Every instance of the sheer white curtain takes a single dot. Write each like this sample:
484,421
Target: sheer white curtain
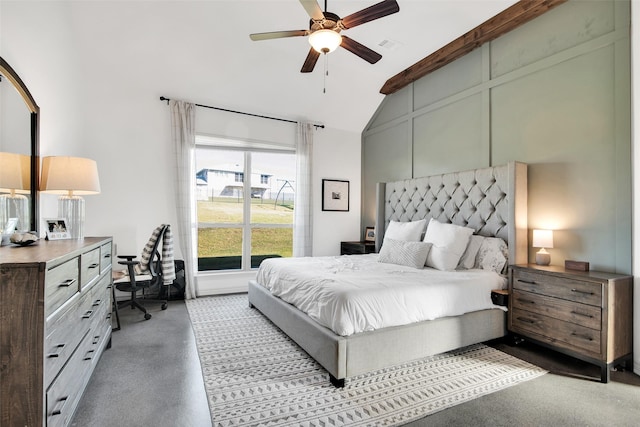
303,212
184,142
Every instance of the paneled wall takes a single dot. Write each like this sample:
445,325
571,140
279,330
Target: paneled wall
554,93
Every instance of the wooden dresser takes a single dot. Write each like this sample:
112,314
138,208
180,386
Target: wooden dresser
55,322
587,315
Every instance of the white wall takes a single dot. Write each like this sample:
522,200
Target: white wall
101,101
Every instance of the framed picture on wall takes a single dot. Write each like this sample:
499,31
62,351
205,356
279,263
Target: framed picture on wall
335,195
57,229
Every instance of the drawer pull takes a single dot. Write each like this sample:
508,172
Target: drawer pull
96,339
89,355
57,410
578,291
526,301
524,319
94,265
529,282
67,283
584,337
107,255
577,313
96,303
88,314
58,347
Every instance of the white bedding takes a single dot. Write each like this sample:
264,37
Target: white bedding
351,294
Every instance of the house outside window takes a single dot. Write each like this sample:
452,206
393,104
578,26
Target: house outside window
243,221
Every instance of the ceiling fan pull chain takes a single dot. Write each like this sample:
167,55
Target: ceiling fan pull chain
326,72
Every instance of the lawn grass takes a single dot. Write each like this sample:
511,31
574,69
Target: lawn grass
217,242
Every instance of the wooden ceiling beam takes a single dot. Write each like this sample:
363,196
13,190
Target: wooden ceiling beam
512,17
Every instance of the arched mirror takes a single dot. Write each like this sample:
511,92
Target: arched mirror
19,115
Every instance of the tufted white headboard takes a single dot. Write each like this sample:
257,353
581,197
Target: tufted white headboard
493,201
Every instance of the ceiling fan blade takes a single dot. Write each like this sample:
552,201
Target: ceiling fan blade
313,9
361,50
310,62
278,34
378,10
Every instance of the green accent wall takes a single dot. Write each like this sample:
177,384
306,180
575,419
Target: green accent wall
553,93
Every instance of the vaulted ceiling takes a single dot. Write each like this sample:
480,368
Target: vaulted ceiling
200,50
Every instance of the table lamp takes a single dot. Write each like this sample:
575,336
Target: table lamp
15,179
70,177
543,239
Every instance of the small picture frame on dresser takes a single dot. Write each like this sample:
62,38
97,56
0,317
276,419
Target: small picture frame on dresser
369,234
57,229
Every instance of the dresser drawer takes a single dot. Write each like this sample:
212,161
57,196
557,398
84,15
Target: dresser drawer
560,287
569,311
61,283
89,266
565,334
64,394
63,336
105,257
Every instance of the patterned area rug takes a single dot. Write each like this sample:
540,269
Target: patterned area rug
255,375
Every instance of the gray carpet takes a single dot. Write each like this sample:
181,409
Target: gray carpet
255,375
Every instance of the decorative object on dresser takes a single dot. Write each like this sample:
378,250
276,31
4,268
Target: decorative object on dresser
71,177
543,239
576,265
55,307
57,229
587,315
357,248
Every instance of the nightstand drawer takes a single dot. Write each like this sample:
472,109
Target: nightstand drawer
357,248
569,335
559,287
580,314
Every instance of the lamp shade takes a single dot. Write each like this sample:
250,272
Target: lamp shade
69,175
325,41
15,173
542,239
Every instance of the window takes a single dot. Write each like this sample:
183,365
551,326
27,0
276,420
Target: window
243,221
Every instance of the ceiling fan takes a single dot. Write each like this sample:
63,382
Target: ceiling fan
325,27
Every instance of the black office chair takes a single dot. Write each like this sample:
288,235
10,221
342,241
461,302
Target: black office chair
135,282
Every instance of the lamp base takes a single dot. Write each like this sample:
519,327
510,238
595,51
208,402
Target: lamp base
543,257
16,206
71,208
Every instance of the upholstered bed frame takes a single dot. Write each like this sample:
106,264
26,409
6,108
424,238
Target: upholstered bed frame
492,200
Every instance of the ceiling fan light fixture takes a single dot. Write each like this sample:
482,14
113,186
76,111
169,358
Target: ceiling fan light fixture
325,41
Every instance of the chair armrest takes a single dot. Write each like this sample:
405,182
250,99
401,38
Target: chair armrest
128,257
129,262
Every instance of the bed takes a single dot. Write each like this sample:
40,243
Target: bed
492,201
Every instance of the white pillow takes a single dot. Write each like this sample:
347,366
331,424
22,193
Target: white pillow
411,254
492,255
449,243
468,259
407,231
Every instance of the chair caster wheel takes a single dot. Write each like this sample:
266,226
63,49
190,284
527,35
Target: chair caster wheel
147,316
164,306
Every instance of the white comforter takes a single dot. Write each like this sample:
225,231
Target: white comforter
351,294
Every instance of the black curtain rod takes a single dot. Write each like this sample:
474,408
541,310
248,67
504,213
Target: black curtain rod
162,98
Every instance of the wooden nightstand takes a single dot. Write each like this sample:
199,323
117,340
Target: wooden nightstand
355,248
584,314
